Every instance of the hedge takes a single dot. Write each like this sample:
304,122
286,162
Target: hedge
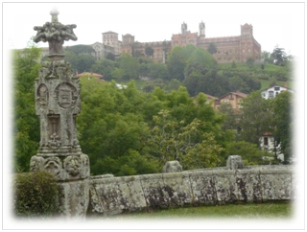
36,194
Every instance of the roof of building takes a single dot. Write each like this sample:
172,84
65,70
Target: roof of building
267,134
110,32
89,74
189,35
221,39
211,97
277,86
247,25
128,35
238,93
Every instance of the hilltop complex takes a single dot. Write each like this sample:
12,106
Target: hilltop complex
232,48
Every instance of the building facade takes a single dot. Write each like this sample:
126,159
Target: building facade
229,49
271,92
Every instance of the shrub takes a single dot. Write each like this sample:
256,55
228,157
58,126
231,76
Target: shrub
35,194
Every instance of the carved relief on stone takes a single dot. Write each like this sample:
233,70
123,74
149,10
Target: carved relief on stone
66,95
42,96
54,131
72,165
85,165
43,72
36,163
54,166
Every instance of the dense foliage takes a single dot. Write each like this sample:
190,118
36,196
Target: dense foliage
35,194
26,123
127,131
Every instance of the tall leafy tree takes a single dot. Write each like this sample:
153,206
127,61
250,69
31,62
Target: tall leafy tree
283,121
104,67
129,65
26,123
176,63
279,56
256,118
80,62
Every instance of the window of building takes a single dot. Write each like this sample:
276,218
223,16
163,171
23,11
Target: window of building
276,88
271,94
276,93
265,141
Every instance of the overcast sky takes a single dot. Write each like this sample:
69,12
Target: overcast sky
273,23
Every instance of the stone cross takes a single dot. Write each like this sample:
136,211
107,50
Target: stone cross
57,95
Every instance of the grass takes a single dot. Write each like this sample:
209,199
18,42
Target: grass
250,210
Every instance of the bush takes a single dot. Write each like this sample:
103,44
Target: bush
35,194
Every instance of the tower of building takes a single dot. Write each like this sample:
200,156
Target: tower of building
202,30
184,28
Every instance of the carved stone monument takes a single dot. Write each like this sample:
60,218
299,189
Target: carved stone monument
57,93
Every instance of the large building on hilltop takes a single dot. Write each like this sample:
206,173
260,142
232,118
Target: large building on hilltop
232,48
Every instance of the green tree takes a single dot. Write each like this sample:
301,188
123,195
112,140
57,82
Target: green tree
176,63
250,153
212,48
78,49
250,61
203,155
26,123
256,117
201,60
266,56
104,67
81,62
231,117
158,70
233,65
279,56
283,121
130,66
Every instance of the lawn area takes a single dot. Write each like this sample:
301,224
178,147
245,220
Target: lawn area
250,210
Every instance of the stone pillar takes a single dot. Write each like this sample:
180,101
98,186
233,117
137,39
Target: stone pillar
57,95
234,162
172,166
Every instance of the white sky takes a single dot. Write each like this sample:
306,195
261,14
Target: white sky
273,23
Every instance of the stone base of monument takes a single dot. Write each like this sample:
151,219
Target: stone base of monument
72,172
73,198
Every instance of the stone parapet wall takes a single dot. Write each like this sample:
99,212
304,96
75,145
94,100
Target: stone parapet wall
113,195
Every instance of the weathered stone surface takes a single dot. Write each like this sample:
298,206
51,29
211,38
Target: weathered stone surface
154,193
105,196
55,33
224,186
203,187
57,96
131,193
172,166
74,198
234,162
276,184
248,185
69,167
177,188
112,195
